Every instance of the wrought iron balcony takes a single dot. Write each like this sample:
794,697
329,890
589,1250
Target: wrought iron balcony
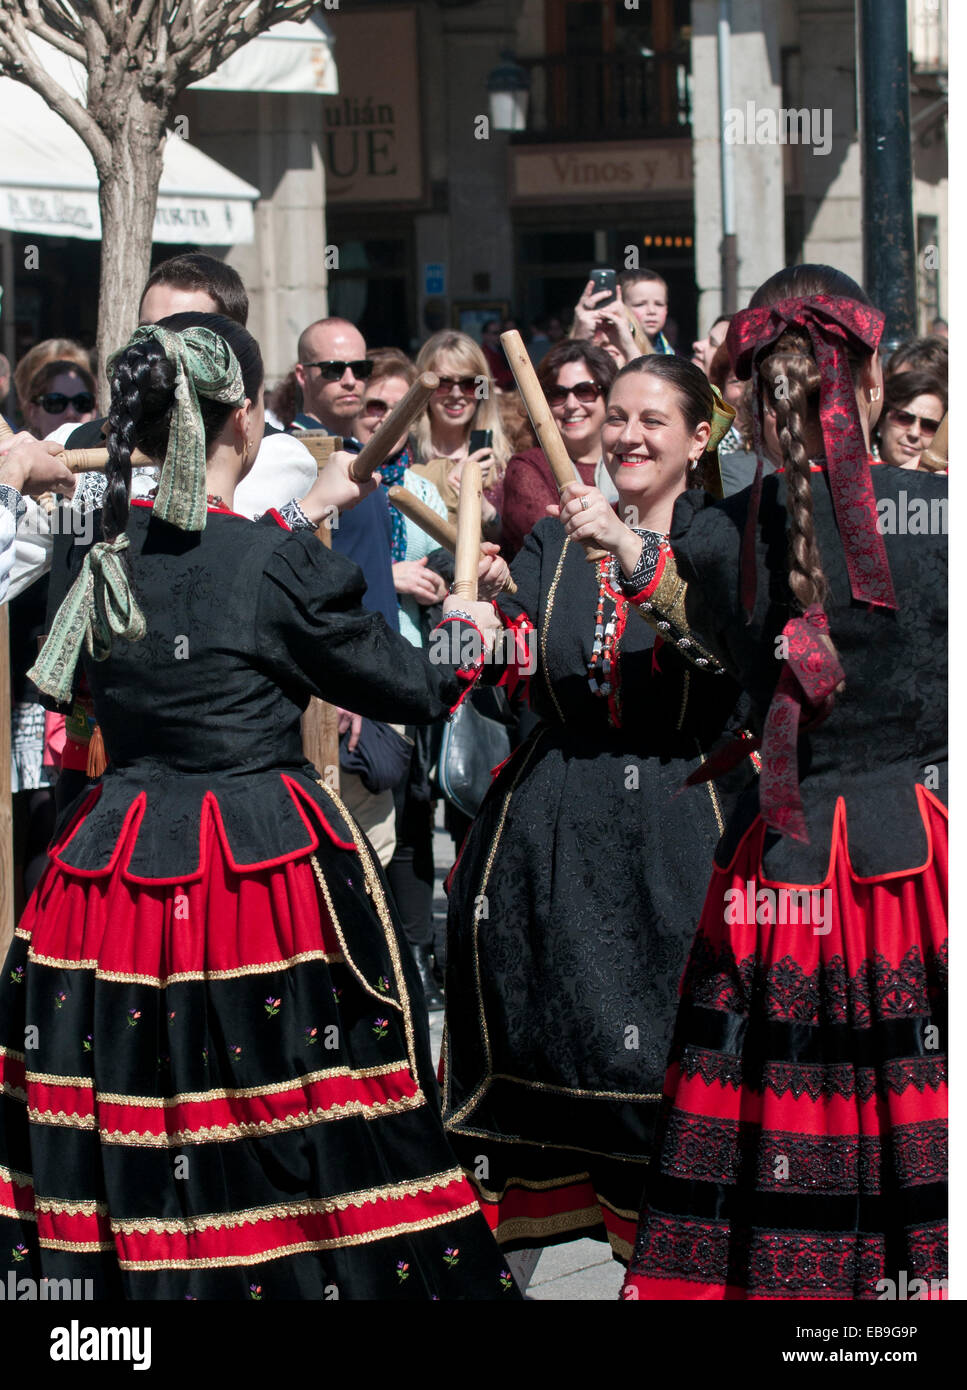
607,98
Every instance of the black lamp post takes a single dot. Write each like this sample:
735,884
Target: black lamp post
889,255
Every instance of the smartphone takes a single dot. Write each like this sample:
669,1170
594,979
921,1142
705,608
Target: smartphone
603,278
480,439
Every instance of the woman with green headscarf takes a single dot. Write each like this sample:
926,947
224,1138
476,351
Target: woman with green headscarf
214,1079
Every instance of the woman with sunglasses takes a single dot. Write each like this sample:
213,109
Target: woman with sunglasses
574,899
465,400
575,377
61,393
914,403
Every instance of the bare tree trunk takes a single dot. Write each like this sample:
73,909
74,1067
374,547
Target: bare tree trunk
128,197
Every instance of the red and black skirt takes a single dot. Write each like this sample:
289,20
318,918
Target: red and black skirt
802,1146
223,1090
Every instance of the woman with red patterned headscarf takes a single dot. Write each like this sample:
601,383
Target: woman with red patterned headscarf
801,1150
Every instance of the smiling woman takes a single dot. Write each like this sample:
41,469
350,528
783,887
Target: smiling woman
576,892
575,377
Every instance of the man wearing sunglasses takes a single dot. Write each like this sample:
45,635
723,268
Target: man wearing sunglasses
331,369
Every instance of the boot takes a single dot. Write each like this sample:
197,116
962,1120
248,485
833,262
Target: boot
434,999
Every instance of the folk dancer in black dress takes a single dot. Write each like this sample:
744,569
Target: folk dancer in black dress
577,890
216,1077
802,1146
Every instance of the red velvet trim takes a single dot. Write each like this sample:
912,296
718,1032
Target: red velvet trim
19,1198
826,1116
209,816
273,1235
13,1072
277,516
125,1116
839,843
655,580
511,677
471,678
222,511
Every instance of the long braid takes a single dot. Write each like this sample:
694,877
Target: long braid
141,398
791,375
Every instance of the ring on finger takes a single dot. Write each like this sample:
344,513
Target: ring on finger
585,504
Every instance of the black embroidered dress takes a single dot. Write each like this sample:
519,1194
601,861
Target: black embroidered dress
216,1076
571,910
802,1152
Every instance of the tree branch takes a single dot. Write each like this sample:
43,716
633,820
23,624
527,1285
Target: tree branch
55,37
23,65
138,26
224,22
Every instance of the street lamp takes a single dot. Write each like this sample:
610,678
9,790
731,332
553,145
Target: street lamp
509,88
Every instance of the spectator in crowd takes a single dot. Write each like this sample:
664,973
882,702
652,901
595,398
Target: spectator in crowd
539,342
575,377
704,349
464,401
914,403
420,588
920,355
182,284
611,326
61,393
645,293
50,350
196,282
330,372
499,371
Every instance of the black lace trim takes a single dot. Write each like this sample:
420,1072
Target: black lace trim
816,1079
703,1149
714,979
780,1264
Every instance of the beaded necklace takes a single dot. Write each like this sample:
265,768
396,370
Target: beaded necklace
610,618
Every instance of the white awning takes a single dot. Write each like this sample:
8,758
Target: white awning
48,182
286,58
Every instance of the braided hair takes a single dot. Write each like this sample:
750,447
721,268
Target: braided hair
142,399
790,379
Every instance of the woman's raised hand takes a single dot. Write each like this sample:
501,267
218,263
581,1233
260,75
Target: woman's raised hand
412,577
35,466
587,515
492,572
335,489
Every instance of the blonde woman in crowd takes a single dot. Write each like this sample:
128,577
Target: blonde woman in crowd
465,401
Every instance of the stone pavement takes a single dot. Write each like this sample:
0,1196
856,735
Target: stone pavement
582,1269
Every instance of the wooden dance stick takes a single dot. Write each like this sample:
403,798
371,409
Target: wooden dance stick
468,532
439,530
545,426
397,423
934,457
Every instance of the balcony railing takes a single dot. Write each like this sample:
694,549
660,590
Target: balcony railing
607,98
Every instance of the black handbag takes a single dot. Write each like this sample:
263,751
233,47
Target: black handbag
381,758
473,745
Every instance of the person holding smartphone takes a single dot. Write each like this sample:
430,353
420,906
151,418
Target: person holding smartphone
462,421
600,316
